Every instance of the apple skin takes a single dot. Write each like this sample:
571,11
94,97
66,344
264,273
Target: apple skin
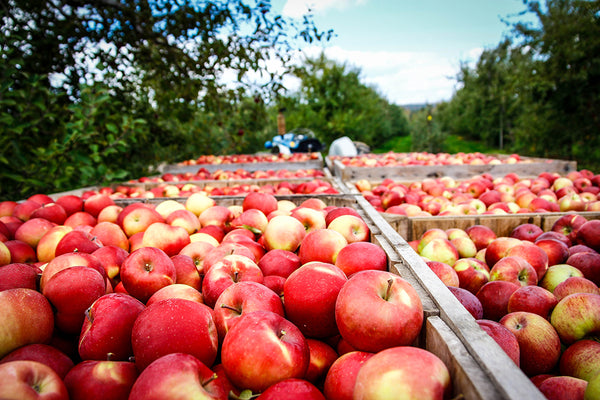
498,249
575,284
310,295
527,232
43,353
539,344
279,262
168,238
110,234
341,377
588,263
32,230
310,218
264,202
292,389
264,348
563,388
186,272
18,275
77,241
101,379
322,356
96,203
472,273
26,318
21,252
69,260
577,317
376,310
283,232
589,234
321,245
494,297
360,256
198,202
445,272
337,211
568,225
173,375
557,251
70,203
534,299
504,337
145,271
481,235
176,290
414,372
30,380
514,269
106,330
174,326
533,254
353,228
442,250
469,301
557,274
137,218
581,359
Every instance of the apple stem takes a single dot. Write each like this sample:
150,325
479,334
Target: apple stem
227,306
110,356
148,267
389,289
88,315
212,378
235,276
282,333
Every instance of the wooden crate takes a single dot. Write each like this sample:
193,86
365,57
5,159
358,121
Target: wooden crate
529,167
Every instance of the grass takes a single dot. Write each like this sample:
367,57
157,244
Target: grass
452,144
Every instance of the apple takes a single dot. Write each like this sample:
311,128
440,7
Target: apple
283,232
577,248
504,337
338,211
581,359
263,348
68,260
312,219
498,248
468,300
168,238
30,380
534,299
563,388
465,246
341,377
577,317
526,231
52,212
106,330
224,249
111,258
264,202
253,220
279,262
184,219
514,269
588,234
94,204
588,263
20,252
7,207
445,272
24,209
575,284
174,326
183,373
32,230
376,310
494,297
145,271
415,372
109,214
110,234
472,273
166,207
429,235
101,379
176,290
555,235
186,271
70,203
557,251
292,389
43,353
18,275
198,202
79,241
568,225
80,218
359,256
310,294
138,218
441,250
539,343
557,274
46,247
321,245
26,318
353,228
322,356
257,249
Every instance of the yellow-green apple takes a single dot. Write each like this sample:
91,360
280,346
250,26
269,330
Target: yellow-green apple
30,380
94,204
503,336
494,296
279,262
252,219
526,231
563,388
498,248
145,271
283,232
441,250
341,377
68,260
577,317
310,293
322,356
46,247
264,202
198,202
71,292
186,271
78,241
312,219
109,214
216,215
43,353
472,273
52,212
24,209
242,298
575,284
556,274
592,391
321,245
7,207
185,219
514,269
177,370
429,235
101,379
18,275
568,225
588,263
571,202
465,246
445,272
176,290
26,318
468,300
263,348
20,252
539,344
581,359
534,299
359,256
353,228
228,270
5,257
292,388
138,219
80,218
376,310
166,207
106,330
481,235
110,234
168,238
556,250
417,373
337,211
174,326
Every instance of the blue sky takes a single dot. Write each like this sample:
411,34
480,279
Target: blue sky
410,50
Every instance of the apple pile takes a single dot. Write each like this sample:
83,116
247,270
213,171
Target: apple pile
252,158
156,301
393,159
237,174
311,187
536,293
483,194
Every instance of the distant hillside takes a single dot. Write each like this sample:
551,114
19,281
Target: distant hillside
414,107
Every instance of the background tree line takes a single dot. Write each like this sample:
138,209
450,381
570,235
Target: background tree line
156,90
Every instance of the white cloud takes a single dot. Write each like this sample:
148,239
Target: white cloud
298,8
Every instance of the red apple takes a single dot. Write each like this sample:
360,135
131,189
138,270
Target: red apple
18,275
279,262
481,235
514,269
253,220
575,284
534,299
472,273
101,379
71,203
30,380
145,271
217,215
341,377
43,353
46,248
310,218
563,388
32,230
322,356
469,301
110,234
526,231
321,245
360,256
445,272
494,297
264,202
52,212
557,251
111,258
292,389
176,290
568,225
109,214
588,263
24,209
137,218
498,249
186,272
168,238
68,260
20,252
504,337
353,228
94,204
78,241
337,211
581,359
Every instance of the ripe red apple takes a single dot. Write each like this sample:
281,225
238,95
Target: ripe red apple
574,284
557,251
481,235
444,272
24,209
264,202
109,214
310,295
533,254
588,263
186,272
30,380
101,379
526,231
403,369
321,245
20,252
376,310
577,317
310,218
110,234
137,218
77,241
94,204
252,219
145,271
18,275
539,343
534,299
68,260
322,356
52,212
504,337
283,232
498,249
353,228
111,258
46,248
568,225
176,290
441,250
581,359
174,326
341,377
472,273
279,262
360,256
263,348
429,235
563,388
555,235
168,238
43,353
337,211
494,297
32,230
469,301
514,269
217,215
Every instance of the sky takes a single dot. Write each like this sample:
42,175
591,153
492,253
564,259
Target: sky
409,50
